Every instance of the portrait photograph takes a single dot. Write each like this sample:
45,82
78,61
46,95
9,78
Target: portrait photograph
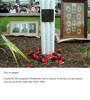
15,28
32,28
24,28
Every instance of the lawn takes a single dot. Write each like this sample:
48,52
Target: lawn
5,20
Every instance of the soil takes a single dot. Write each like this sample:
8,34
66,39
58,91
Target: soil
25,44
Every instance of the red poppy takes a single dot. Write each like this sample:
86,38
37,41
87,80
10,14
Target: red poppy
49,56
56,61
59,50
38,49
60,62
38,52
30,53
59,55
36,57
62,58
31,65
44,60
54,53
53,57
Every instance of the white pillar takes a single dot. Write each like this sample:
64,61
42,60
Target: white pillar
52,29
42,6
47,28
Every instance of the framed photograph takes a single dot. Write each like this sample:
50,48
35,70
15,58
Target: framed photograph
74,21
26,28
15,28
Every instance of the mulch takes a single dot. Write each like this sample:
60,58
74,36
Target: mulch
25,44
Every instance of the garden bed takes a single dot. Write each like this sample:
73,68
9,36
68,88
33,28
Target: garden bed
26,44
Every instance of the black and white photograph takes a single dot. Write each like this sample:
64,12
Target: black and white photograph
32,28
24,28
15,28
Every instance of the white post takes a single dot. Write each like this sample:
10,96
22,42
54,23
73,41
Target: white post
47,28
52,29
47,33
42,6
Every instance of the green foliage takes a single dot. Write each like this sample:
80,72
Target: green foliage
87,59
35,63
75,49
43,64
15,51
82,50
20,62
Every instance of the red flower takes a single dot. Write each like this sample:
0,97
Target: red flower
31,65
54,57
56,61
59,50
62,58
60,62
30,53
38,49
54,53
35,57
38,52
59,55
44,60
49,56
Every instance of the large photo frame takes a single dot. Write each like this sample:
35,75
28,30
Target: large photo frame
25,28
73,19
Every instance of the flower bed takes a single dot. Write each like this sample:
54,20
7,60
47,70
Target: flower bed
46,60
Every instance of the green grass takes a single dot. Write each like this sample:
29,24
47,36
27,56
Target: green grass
5,20
89,25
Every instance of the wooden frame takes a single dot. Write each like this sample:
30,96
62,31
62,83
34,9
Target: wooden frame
25,28
85,17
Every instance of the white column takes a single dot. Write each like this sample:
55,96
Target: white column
47,32
42,6
52,28
47,28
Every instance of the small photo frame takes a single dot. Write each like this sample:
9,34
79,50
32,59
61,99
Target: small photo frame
26,28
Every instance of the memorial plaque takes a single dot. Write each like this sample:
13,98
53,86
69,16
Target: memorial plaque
73,19
47,15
